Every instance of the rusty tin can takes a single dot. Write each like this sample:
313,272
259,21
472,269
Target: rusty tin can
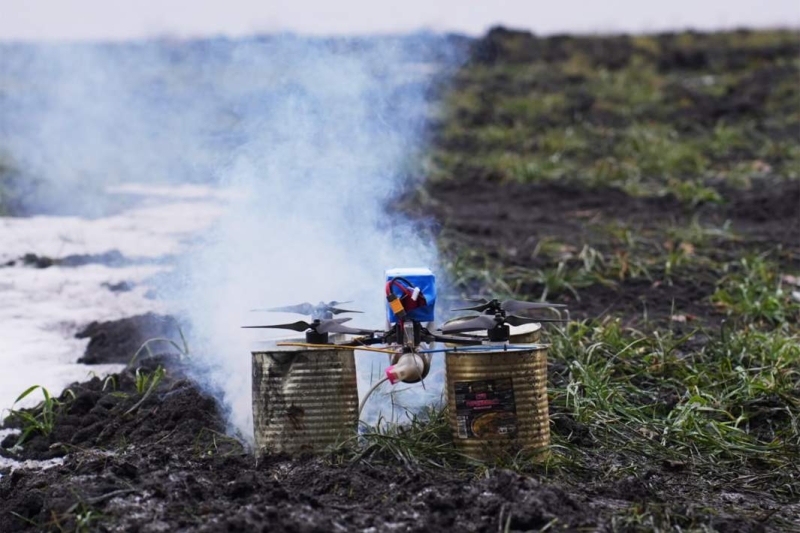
304,400
497,401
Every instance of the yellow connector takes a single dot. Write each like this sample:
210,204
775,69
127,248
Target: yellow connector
397,306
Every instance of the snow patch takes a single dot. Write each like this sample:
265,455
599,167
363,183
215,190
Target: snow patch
41,310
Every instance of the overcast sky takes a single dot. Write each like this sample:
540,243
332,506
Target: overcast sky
125,19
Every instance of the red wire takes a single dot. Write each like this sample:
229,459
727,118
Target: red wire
406,292
396,283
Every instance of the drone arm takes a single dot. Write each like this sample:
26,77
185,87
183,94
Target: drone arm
367,340
433,337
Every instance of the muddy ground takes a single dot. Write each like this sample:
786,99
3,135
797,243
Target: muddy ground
507,221
166,464
169,467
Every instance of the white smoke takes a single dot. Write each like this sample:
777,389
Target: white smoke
316,138
316,175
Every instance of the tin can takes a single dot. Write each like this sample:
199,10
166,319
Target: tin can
497,400
304,400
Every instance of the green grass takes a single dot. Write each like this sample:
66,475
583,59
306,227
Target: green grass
617,380
752,291
183,348
649,127
714,399
728,411
145,384
625,253
42,418
421,439
145,381
717,404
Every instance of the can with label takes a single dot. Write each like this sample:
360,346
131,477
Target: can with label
304,400
497,400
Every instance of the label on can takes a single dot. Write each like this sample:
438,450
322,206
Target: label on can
486,408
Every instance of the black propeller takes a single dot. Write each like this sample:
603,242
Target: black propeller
488,322
333,325
508,306
320,311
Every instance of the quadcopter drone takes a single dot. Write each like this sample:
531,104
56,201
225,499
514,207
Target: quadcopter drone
410,334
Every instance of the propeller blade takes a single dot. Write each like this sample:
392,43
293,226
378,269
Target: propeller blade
295,326
482,322
337,311
474,324
515,320
480,308
509,306
319,311
301,309
336,320
515,306
480,304
335,328
322,326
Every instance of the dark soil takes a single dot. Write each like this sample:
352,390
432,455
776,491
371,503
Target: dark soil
640,301
112,258
167,465
177,478
94,413
508,46
512,214
122,286
530,120
117,341
768,213
508,221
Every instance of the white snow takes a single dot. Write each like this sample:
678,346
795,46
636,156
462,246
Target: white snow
149,231
11,464
42,309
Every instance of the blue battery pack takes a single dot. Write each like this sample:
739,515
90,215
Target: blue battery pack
423,279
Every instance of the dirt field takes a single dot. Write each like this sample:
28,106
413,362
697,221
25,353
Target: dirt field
179,470
165,464
507,222
652,183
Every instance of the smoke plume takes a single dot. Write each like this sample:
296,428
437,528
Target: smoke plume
315,139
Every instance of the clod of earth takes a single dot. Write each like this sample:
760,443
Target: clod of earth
118,340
